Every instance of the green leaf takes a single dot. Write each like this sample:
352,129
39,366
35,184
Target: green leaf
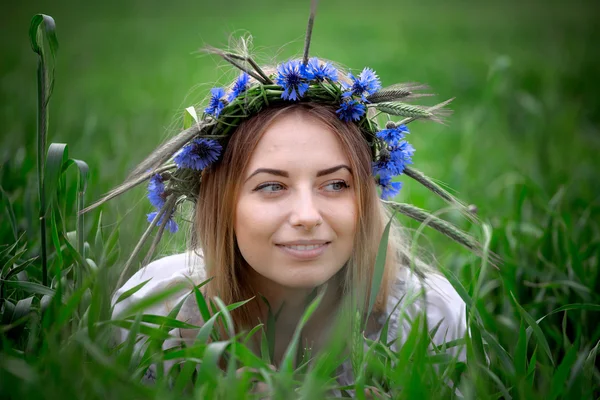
9,265
209,369
30,287
201,301
536,329
270,328
379,266
67,309
128,293
22,309
7,249
10,212
49,28
567,307
57,156
152,299
531,368
288,358
83,172
73,253
19,268
559,379
189,116
7,312
503,389
226,316
590,361
19,368
99,237
163,321
127,352
521,352
252,333
150,331
207,329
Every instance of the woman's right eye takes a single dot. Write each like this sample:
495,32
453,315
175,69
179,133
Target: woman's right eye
270,187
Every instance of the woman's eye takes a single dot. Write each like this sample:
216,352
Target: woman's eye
269,187
337,186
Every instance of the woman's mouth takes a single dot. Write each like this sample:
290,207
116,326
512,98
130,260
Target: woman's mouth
304,251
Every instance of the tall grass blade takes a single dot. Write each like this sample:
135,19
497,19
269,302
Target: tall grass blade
562,373
10,213
127,294
541,338
379,266
43,26
288,358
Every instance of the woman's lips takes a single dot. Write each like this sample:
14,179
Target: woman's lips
304,252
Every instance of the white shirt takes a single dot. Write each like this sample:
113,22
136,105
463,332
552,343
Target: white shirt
409,296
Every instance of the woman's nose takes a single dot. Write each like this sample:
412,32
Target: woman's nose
305,212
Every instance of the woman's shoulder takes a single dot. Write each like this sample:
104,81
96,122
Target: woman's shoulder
162,274
431,295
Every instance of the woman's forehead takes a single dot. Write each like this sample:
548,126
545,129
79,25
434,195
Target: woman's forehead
299,141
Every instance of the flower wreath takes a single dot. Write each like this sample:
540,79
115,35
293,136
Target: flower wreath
173,170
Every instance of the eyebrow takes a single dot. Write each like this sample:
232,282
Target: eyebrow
285,174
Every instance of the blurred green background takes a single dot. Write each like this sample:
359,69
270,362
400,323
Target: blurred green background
525,76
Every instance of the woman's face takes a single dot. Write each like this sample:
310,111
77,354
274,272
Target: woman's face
296,211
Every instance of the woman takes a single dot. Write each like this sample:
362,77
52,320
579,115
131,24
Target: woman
292,206
283,169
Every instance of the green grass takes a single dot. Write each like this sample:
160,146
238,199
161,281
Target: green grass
522,146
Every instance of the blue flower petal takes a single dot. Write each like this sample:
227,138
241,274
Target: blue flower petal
364,85
321,72
240,86
351,111
395,161
389,189
393,136
198,154
156,191
216,102
292,77
171,224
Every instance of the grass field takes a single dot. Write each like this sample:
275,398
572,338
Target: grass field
522,144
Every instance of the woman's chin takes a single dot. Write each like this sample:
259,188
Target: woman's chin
303,280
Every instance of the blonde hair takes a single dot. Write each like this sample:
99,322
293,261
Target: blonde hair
214,218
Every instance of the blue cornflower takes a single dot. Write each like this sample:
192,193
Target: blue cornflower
393,136
393,160
198,154
217,102
403,153
351,110
171,224
389,189
364,85
320,72
156,191
239,87
291,76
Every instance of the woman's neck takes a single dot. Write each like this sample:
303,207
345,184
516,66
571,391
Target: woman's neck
289,304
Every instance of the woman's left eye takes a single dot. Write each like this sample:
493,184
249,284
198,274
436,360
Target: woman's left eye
337,186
